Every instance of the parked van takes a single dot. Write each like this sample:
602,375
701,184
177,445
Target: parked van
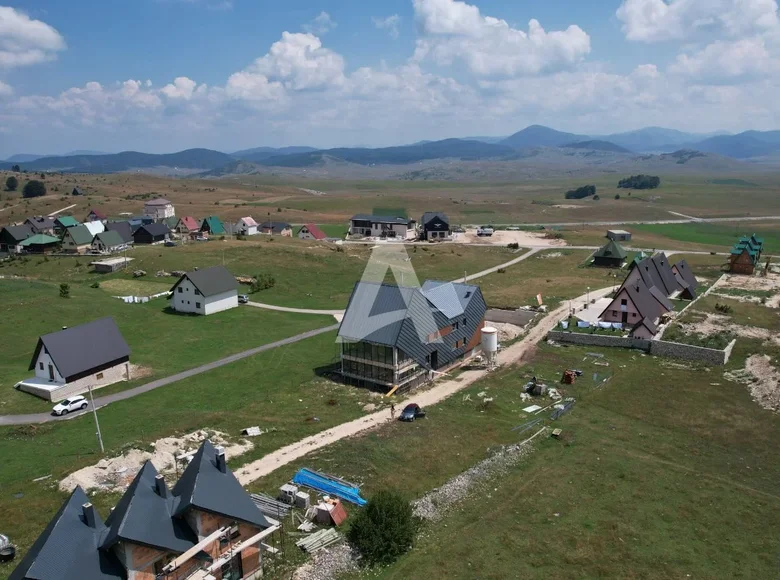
485,231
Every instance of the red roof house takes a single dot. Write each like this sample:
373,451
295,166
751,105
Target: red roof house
311,232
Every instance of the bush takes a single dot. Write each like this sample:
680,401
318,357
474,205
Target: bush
513,246
617,196
95,285
262,282
11,183
34,189
384,529
64,290
581,192
596,198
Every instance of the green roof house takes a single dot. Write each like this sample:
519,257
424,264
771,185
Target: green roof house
610,255
40,244
212,225
77,240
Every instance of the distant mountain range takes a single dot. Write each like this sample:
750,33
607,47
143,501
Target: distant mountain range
536,142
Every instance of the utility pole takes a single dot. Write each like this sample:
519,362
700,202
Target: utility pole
97,424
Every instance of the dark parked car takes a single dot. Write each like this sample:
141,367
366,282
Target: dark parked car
243,298
411,412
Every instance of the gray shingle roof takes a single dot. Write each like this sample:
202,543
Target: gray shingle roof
431,215
275,227
664,268
158,201
68,548
381,219
39,223
203,486
143,516
78,350
210,281
154,229
17,233
646,302
123,228
687,275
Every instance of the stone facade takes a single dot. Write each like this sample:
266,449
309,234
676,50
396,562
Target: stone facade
109,376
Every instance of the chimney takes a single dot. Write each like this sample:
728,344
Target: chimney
159,485
90,515
221,464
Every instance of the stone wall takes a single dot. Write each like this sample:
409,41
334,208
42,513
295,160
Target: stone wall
663,348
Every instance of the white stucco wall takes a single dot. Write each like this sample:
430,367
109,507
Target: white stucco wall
220,302
159,212
43,373
243,229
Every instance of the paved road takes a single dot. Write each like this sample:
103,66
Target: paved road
121,396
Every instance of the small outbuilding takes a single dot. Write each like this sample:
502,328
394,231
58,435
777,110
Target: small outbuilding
246,226
73,360
205,291
610,255
619,235
276,228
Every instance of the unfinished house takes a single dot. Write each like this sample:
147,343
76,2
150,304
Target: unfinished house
73,360
634,302
610,255
745,255
159,209
378,226
435,226
205,528
395,337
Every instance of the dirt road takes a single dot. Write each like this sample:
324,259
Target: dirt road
440,391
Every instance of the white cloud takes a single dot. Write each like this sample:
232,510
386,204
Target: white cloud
300,62
322,24
658,20
5,90
181,88
452,30
728,62
24,41
390,23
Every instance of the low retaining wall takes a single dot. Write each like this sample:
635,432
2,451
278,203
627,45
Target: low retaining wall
663,348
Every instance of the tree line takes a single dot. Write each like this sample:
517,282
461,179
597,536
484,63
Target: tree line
640,182
581,192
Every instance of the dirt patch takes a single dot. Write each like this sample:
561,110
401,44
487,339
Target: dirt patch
762,379
116,473
506,331
504,237
770,282
715,323
140,372
567,206
548,255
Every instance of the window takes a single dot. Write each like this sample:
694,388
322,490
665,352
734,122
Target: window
614,313
99,376
455,325
40,365
197,292
623,302
633,315
180,289
197,305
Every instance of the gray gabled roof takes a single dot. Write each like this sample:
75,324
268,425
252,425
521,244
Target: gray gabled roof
110,238
80,349
670,283
647,323
450,299
686,274
375,312
205,487
646,302
18,233
68,549
124,229
154,229
380,219
41,222
275,227
431,215
158,201
144,516
210,281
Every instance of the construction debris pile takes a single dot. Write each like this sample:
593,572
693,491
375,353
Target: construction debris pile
319,540
332,562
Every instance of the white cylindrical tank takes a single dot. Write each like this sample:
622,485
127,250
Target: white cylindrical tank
489,340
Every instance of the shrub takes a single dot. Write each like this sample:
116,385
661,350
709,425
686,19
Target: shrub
64,290
11,183
581,192
262,282
513,246
384,529
596,198
34,189
95,285
617,196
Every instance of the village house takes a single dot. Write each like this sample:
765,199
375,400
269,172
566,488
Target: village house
41,224
73,360
212,225
159,209
399,337
151,234
95,216
108,242
435,226
276,228
377,226
686,279
311,232
634,302
40,244
246,226
95,227
205,291
610,255
745,255
205,527
63,223
77,191
124,229
186,225
655,271
12,236
77,240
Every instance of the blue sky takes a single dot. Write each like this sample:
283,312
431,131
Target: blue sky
161,75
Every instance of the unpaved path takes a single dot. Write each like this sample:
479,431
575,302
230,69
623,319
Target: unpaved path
440,391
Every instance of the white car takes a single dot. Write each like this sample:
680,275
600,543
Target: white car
75,403
485,231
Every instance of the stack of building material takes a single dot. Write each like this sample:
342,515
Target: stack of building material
319,540
270,506
329,484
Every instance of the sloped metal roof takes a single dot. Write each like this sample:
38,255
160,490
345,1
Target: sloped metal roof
143,516
314,231
80,235
67,221
79,349
431,215
203,486
124,229
687,275
68,549
210,281
39,239
18,233
380,219
611,250
111,238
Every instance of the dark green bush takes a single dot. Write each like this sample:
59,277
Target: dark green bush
384,529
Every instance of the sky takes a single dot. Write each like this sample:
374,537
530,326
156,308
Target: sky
166,75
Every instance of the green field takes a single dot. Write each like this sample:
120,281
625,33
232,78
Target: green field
648,482
163,343
715,235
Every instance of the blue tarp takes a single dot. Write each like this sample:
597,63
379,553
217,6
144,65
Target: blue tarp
329,485
583,324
